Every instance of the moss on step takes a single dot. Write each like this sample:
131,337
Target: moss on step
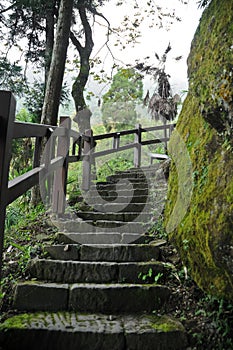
164,323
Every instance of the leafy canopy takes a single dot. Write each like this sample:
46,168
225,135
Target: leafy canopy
119,103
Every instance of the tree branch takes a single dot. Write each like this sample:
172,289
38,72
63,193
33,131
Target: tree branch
8,8
87,29
76,42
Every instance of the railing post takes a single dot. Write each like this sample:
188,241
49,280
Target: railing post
60,176
165,134
116,141
138,146
88,150
7,117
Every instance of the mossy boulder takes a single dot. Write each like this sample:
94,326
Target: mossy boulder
199,208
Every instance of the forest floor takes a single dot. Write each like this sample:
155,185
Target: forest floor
208,320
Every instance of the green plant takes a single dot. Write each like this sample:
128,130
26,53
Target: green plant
111,166
218,313
185,244
158,229
149,277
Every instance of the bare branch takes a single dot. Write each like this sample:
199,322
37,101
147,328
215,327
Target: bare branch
87,29
76,42
8,8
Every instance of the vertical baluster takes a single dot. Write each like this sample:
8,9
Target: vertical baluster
138,146
60,177
7,117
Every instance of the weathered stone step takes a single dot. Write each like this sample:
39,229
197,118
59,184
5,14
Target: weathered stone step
123,183
111,216
71,331
105,252
116,207
97,237
60,271
125,175
94,226
117,199
149,174
122,192
124,196
90,297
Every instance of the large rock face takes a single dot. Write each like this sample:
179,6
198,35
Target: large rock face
199,209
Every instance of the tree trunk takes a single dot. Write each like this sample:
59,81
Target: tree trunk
56,72
49,32
57,67
83,113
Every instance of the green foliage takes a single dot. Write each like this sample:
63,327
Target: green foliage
218,313
149,277
111,166
34,98
11,77
22,149
119,103
158,230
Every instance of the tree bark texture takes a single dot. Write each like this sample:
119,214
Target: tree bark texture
83,113
57,67
49,32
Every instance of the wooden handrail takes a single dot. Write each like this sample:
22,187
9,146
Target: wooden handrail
54,162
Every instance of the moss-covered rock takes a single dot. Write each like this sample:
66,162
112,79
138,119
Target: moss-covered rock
204,232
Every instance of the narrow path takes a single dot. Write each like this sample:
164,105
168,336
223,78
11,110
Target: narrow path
103,281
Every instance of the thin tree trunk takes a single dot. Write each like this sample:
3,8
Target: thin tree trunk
56,73
57,67
49,32
83,113
49,42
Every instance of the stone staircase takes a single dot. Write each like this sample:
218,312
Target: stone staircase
103,282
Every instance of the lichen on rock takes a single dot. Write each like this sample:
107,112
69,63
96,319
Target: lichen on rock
204,235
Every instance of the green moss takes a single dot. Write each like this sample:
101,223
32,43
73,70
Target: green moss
207,223
163,323
211,67
17,322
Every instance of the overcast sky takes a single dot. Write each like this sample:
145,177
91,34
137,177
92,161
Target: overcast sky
153,39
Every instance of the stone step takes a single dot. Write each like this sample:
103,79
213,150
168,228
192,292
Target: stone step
90,297
105,252
130,183
70,331
124,196
149,174
129,175
106,226
98,237
60,271
116,207
111,216
121,192
91,200
123,183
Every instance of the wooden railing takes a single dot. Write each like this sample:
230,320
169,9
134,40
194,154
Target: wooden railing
50,167
53,163
90,142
